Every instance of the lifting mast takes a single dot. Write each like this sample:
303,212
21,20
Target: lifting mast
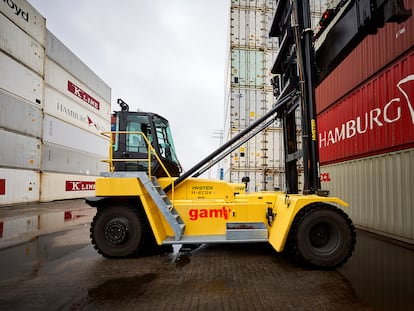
299,67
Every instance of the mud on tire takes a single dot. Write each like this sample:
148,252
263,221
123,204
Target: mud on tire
321,236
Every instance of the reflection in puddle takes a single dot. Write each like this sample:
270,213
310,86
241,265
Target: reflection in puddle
29,225
381,273
121,288
181,254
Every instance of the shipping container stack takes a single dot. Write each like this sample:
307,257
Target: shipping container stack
250,94
52,109
366,131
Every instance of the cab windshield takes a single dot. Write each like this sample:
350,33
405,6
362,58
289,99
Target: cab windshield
164,138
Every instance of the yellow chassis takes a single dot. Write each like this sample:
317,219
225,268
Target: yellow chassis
207,207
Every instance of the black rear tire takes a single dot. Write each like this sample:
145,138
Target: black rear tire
322,236
118,231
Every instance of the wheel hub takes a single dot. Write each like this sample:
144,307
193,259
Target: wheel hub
116,232
319,235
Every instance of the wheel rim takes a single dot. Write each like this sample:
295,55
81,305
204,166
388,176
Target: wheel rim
116,232
324,237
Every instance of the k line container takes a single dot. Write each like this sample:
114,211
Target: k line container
20,116
376,118
63,56
65,186
63,160
369,57
21,46
62,107
66,135
70,86
379,190
18,186
19,151
20,80
26,17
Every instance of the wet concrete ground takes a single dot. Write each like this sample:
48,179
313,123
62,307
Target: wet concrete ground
60,270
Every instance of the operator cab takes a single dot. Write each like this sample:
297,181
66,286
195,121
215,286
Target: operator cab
133,145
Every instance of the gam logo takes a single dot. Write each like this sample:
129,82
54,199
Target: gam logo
195,214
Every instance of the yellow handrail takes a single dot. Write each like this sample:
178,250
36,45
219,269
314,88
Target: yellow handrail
150,151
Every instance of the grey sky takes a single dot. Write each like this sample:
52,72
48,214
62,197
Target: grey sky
164,56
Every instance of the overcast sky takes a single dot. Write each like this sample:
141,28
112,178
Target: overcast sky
163,56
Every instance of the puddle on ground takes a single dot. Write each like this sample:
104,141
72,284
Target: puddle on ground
42,222
381,273
121,288
181,254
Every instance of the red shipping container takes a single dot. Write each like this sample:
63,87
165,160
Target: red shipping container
376,118
373,54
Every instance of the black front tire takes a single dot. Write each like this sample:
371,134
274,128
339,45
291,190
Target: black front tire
118,231
322,236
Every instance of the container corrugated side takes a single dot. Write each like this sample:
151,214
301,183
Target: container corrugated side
20,80
20,116
66,109
63,160
19,186
369,57
67,84
247,28
247,105
64,134
249,3
379,190
65,186
21,46
247,68
63,56
19,151
376,118
26,17
265,150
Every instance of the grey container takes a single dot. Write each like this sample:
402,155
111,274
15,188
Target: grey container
20,116
19,151
63,56
65,160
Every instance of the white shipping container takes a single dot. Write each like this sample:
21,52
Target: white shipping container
21,46
248,28
379,191
265,150
64,108
20,80
64,134
249,3
59,53
19,151
63,160
64,186
260,180
20,116
26,17
247,68
67,84
247,105
19,186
